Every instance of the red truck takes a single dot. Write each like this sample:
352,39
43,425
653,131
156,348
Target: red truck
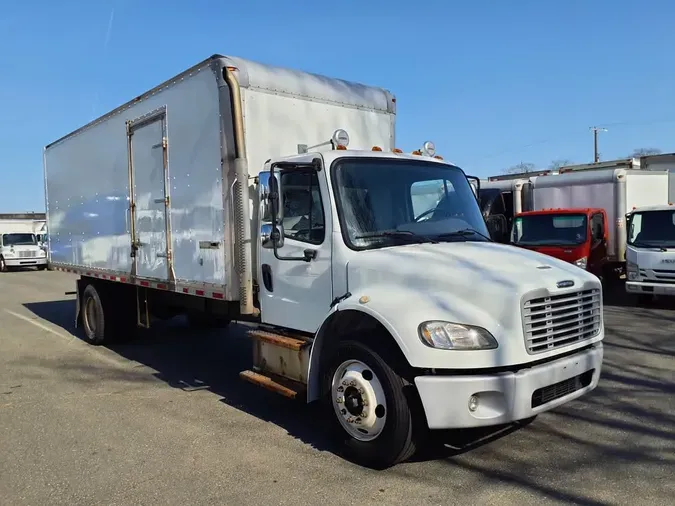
578,236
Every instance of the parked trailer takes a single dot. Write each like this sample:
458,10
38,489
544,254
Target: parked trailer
393,312
617,191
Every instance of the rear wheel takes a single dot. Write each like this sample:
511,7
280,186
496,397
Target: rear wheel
370,413
104,317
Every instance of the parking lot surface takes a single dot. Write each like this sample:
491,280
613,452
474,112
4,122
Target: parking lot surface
166,420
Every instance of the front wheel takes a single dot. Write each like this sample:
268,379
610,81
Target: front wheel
3,265
369,411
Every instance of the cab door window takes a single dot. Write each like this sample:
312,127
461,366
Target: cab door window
303,216
597,227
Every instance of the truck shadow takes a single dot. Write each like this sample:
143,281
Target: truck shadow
211,360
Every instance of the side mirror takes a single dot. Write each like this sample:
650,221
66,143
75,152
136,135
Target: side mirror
268,196
498,227
270,238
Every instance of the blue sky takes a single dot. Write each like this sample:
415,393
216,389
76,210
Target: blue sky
491,82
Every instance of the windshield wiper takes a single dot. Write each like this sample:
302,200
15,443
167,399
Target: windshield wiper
463,233
399,234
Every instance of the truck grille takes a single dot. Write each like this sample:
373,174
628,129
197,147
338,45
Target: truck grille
27,254
658,275
560,320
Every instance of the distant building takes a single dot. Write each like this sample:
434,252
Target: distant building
23,216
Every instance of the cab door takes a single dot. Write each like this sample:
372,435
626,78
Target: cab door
597,256
295,279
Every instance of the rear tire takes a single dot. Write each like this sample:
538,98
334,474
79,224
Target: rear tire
367,406
104,318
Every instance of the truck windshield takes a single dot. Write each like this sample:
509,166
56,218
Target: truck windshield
19,240
549,230
385,202
652,229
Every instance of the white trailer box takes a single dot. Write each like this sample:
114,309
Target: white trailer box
233,192
175,145
617,191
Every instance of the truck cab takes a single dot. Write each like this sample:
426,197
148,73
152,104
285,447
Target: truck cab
347,254
19,250
578,236
650,251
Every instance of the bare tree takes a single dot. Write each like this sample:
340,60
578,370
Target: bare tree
561,162
520,167
637,153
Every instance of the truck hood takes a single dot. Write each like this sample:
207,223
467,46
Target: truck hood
474,281
466,265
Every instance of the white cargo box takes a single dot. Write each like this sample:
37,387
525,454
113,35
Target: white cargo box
175,146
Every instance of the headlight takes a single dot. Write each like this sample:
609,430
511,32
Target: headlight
453,336
632,271
581,263
8,253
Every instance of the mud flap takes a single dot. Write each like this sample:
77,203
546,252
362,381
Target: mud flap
79,287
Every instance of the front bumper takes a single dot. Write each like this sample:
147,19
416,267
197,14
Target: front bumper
25,262
507,397
640,287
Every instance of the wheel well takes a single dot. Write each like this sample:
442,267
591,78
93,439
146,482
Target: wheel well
358,326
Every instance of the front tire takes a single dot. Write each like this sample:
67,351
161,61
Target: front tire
365,399
3,265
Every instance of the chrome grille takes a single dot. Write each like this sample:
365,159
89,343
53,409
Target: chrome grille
560,320
27,254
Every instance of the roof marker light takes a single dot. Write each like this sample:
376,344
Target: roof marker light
377,148
396,150
438,157
417,152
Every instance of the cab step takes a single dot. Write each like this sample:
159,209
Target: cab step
280,355
283,341
274,383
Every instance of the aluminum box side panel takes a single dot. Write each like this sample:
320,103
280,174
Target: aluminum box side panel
276,124
88,185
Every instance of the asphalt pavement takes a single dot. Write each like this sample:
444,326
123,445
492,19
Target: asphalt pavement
166,420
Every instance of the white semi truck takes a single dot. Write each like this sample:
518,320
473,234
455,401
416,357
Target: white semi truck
241,192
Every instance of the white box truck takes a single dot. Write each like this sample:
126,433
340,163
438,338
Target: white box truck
650,252
20,246
612,191
398,314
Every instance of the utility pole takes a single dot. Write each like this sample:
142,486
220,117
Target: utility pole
596,155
